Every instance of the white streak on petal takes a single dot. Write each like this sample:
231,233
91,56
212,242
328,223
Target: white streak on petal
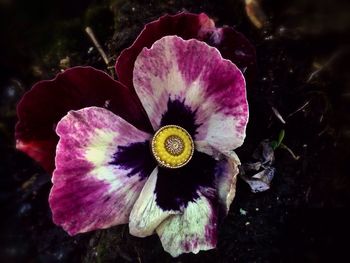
196,74
192,231
100,146
90,190
146,215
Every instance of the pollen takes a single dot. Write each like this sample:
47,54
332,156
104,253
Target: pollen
172,146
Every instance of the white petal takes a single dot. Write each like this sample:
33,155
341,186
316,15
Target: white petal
146,215
192,231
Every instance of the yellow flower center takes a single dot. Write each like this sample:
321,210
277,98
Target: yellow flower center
172,146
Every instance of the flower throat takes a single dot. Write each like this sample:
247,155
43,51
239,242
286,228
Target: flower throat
172,146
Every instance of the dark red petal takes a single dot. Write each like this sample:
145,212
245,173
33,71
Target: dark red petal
48,101
232,44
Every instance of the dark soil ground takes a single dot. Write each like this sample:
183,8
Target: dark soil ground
302,218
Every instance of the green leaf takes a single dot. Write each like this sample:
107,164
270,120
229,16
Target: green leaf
276,143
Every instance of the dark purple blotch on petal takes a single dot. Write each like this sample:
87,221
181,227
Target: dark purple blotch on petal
178,113
176,187
137,157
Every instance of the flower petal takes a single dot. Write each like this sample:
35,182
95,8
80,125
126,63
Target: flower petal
146,214
192,231
226,180
226,174
193,74
177,187
97,178
169,191
48,101
232,44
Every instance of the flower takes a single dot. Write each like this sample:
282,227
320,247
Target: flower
154,149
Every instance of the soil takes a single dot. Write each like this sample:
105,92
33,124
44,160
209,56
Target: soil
302,53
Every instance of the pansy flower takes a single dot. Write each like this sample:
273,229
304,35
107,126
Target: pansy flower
154,149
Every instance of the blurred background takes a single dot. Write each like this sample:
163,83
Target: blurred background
301,87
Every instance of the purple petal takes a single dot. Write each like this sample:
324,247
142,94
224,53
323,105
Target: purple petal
92,187
48,101
193,230
231,44
178,113
196,75
137,157
175,188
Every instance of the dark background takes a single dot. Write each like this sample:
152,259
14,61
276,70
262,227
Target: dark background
302,218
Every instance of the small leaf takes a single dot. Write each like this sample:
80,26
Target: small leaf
275,144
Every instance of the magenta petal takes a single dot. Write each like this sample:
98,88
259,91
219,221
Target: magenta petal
48,101
194,74
232,44
92,187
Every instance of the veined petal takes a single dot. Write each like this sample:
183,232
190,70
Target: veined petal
48,101
231,44
146,214
101,167
193,74
193,230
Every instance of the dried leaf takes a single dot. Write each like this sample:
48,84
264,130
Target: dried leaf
259,173
255,13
